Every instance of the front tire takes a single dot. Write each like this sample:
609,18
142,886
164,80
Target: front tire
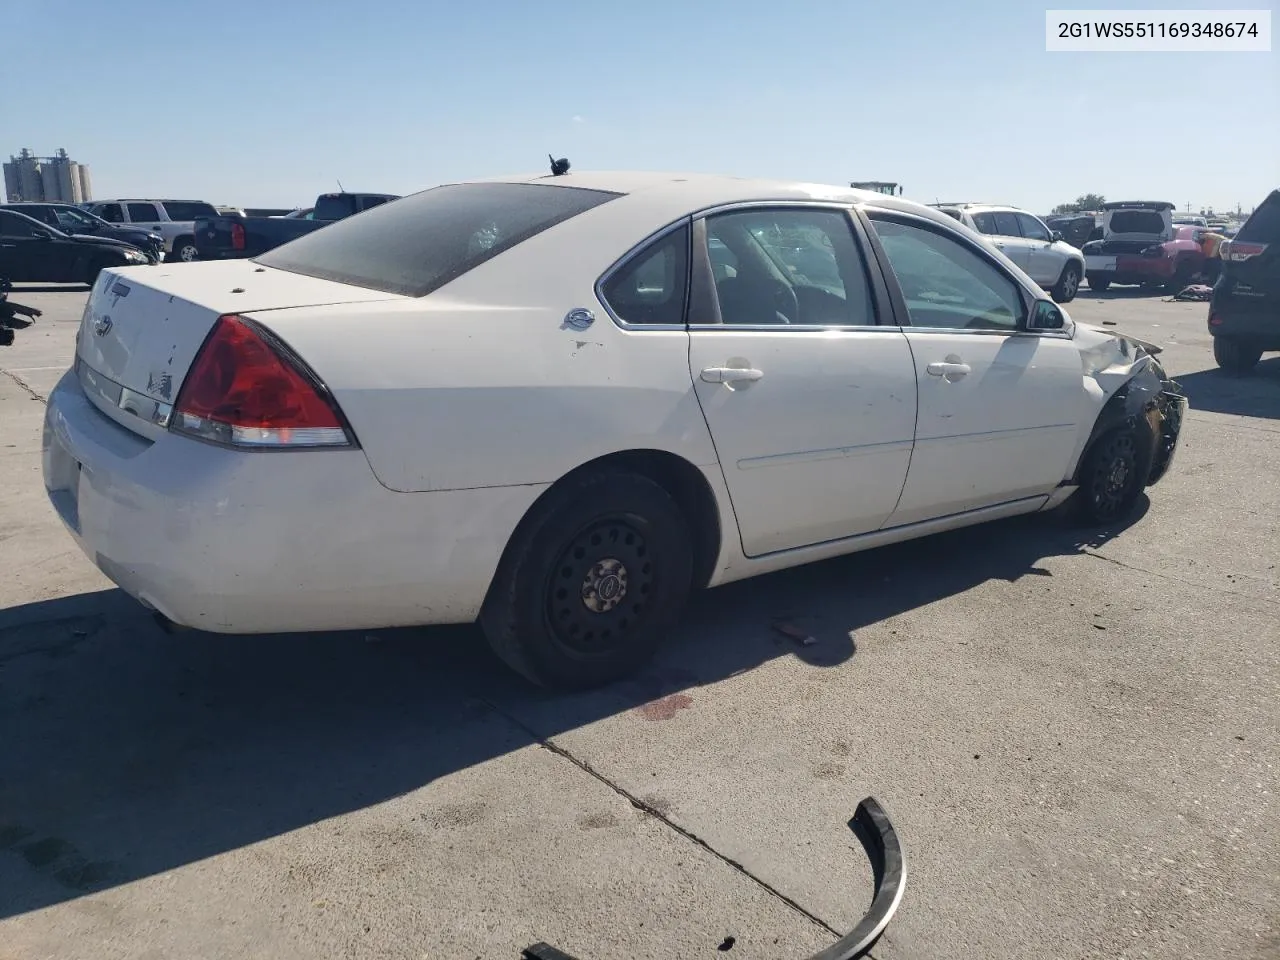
1111,477
1099,284
1068,285
591,582
1235,356
184,249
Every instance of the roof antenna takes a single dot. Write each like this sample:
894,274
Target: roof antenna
341,188
558,167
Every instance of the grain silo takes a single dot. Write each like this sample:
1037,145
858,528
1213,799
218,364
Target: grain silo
86,187
48,182
68,180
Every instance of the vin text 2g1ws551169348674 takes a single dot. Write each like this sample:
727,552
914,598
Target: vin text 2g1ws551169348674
670,409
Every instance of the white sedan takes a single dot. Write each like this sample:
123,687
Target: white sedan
557,405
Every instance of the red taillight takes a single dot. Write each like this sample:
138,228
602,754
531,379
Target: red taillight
1215,320
237,236
246,390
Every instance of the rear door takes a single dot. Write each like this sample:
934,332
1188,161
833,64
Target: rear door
144,214
999,407
810,401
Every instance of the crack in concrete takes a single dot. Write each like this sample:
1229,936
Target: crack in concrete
24,386
1182,580
658,815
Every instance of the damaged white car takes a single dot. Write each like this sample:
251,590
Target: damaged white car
558,404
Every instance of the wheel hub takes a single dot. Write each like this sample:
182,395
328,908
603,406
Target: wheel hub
605,585
1117,476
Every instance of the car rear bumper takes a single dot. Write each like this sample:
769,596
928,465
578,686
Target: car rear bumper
1256,320
263,541
1130,269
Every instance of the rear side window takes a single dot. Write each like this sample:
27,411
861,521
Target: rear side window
985,222
334,206
650,287
111,213
1264,225
1007,225
141,212
420,243
179,210
13,225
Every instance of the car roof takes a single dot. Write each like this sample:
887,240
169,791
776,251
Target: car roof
146,200
1138,205
668,196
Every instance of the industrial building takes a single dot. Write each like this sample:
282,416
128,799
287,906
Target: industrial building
56,179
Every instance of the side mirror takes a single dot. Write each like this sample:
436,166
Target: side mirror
1046,315
1055,236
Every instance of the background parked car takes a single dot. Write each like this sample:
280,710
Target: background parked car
1244,314
237,237
31,252
1041,253
172,219
1076,229
1141,245
68,218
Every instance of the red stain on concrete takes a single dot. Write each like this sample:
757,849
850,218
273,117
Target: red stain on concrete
666,708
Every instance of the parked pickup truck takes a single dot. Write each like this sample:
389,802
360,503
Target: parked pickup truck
234,237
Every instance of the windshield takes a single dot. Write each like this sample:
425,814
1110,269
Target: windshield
420,243
71,219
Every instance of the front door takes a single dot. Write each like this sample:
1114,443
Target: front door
999,407
811,404
1046,263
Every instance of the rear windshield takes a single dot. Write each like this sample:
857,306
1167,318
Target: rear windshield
1137,221
420,243
1264,225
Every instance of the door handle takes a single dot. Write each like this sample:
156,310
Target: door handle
948,369
730,374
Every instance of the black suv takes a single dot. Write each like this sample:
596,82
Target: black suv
70,219
1244,313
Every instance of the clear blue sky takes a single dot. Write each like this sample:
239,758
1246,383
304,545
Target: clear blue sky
268,103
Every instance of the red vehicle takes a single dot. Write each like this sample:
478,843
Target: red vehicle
1141,245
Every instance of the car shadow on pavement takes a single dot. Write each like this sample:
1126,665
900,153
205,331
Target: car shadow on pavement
1257,395
128,752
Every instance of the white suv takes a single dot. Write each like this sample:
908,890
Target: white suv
1041,253
174,220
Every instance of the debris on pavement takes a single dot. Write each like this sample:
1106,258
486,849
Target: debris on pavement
1195,292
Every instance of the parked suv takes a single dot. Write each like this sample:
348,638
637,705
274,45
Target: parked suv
69,218
172,219
1022,237
1244,313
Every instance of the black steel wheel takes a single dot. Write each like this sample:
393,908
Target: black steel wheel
591,581
1111,479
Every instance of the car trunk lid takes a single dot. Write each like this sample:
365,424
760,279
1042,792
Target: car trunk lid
143,326
1142,224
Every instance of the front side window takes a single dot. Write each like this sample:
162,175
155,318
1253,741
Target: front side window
1032,228
420,243
111,213
13,225
650,288
788,266
946,284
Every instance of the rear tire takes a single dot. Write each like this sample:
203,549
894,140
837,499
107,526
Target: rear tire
184,249
1099,284
1181,278
591,582
1111,478
1235,357
1068,285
